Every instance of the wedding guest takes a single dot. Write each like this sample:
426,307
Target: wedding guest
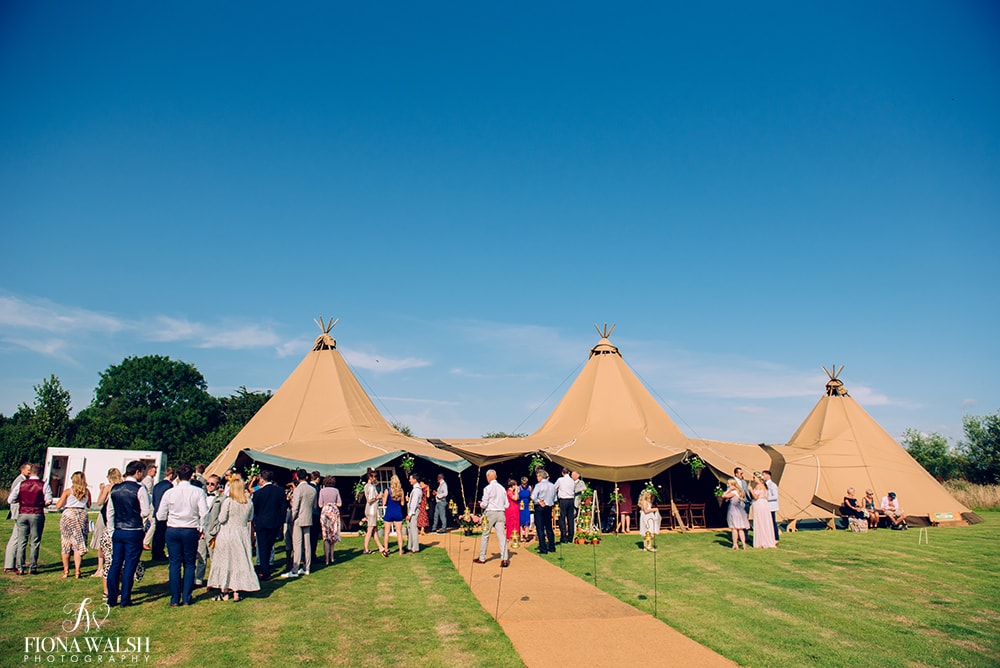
392,499
315,481
184,509
269,505
149,481
494,506
889,507
625,507
850,507
101,523
772,504
372,497
423,519
412,514
440,523
512,515
9,561
736,517
649,520
871,510
329,516
213,497
33,495
74,522
566,494
156,537
544,497
128,510
105,545
524,509
763,529
303,500
232,558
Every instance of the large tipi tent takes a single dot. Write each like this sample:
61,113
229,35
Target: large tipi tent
838,446
321,419
607,426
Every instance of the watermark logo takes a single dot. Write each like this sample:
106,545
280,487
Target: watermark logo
82,617
82,642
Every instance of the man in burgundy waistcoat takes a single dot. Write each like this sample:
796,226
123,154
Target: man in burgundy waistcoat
32,495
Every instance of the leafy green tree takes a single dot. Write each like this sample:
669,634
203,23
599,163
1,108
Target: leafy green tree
933,453
237,411
151,402
981,448
402,428
25,436
503,434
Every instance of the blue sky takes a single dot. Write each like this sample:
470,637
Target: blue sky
749,191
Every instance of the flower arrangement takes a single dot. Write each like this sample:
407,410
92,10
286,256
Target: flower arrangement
467,522
359,489
652,489
252,471
719,490
536,463
616,496
363,525
696,466
407,463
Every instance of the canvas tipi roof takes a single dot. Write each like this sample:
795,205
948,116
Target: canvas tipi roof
607,426
838,446
321,418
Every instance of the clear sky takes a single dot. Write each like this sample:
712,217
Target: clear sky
749,190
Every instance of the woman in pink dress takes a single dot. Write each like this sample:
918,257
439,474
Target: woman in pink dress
763,527
422,519
512,515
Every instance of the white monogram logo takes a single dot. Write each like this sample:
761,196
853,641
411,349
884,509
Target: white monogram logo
81,615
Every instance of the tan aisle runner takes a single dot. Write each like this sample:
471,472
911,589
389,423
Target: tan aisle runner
550,614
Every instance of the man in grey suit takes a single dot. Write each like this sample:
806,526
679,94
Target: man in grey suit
412,510
9,563
303,500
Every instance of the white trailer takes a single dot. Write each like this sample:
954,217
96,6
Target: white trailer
62,463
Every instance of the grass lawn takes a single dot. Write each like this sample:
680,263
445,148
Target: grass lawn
822,599
362,611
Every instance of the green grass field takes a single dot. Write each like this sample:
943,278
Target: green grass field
362,611
822,599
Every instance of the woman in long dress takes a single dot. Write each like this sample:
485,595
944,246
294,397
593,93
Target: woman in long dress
736,517
73,524
232,560
524,509
512,516
763,527
649,520
372,497
393,518
423,520
329,503
101,523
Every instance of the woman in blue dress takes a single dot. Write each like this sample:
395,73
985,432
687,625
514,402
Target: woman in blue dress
524,508
392,498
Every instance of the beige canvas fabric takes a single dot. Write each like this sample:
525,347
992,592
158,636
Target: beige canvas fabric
321,418
723,457
839,445
607,426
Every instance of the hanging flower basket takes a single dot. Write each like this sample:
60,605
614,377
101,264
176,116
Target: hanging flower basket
697,466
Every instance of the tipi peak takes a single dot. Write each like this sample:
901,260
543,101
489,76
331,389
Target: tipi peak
835,386
324,341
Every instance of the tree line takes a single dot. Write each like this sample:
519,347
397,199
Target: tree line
975,458
143,403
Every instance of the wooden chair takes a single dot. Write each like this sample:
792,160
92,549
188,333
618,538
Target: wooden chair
696,515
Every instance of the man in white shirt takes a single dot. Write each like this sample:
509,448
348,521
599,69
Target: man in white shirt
566,493
9,563
890,508
772,502
412,510
440,523
494,504
184,508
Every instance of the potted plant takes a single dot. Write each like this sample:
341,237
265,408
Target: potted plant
696,466
719,491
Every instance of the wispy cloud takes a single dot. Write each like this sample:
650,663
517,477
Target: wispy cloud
47,316
374,362
50,347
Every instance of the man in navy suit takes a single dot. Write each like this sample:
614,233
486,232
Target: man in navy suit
269,507
159,541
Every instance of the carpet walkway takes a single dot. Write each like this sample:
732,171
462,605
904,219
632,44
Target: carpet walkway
549,614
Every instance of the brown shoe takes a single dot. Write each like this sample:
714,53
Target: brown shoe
505,563
477,560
